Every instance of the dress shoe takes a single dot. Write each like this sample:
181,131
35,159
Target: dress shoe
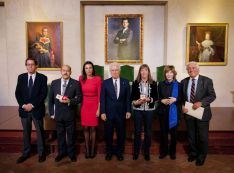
200,162
73,158
191,158
59,158
42,158
173,156
147,157
162,156
92,155
120,157
135,156
108,156
21,159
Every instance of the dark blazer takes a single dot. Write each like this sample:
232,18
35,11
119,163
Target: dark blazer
63,111
39,93
205,94
136,93
109,104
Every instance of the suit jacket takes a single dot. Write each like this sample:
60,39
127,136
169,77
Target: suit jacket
39,93
109,104
205,94
64,111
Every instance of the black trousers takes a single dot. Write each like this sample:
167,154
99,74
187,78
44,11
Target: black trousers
109,126
27,128
197,137
147,118
164,131
66,137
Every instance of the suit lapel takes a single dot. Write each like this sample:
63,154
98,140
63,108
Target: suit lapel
186,88
112,88
199,84
121,84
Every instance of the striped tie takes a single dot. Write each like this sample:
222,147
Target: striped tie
192,93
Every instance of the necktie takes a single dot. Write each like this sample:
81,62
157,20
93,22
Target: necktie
64,87
192,93
30,85
116,88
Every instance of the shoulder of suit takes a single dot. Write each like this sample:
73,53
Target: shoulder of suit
204,77
125,80
185,79
41,75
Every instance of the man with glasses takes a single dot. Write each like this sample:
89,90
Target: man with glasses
31,91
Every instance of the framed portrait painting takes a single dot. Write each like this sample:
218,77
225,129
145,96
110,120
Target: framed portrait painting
123,38
207,43
44,43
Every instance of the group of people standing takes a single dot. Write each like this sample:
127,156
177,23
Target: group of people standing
112,101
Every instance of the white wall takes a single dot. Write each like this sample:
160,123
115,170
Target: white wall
180,12
153,33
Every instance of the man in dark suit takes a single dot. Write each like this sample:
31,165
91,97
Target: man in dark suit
31,91
115,108
65,94
124,41
198,90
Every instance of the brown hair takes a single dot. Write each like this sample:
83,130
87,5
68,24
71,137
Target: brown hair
168,68
32,59
150,80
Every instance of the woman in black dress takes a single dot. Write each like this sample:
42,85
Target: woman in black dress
144,94
168,110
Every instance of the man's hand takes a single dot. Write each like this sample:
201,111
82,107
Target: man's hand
197,105
28,107
52,116
128,115
64,100
103,117
184,109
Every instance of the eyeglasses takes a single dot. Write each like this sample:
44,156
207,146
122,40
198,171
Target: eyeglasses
30,64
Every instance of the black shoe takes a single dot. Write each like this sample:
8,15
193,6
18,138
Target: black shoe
21,159
173,156
191,158
135,156
200,162
42,158
120,157
58,158
147,157
162,156
92,155
108,156
73,158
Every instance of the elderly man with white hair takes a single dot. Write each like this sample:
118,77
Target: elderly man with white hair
199,91
115,107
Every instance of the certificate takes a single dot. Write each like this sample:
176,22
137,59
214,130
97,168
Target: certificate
197,113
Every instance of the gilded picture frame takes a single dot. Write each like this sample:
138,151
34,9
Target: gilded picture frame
207,43
124,38
44,42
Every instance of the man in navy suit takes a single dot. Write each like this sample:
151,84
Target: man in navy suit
198,90
31,91
65,95
115,108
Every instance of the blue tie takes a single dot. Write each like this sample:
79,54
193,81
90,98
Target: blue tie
30,86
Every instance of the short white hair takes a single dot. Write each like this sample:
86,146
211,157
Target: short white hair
193,63
114,64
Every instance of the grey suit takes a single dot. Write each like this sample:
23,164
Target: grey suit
198,129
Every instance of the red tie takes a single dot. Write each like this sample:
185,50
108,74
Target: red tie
192,93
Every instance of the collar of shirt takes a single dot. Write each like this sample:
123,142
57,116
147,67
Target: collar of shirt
196,78
33,76
62,81
125,29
